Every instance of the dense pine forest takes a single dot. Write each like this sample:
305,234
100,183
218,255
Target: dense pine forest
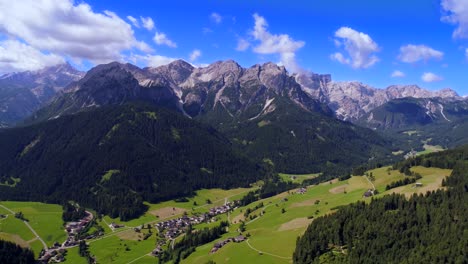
113,158
294,140
13,254
427,228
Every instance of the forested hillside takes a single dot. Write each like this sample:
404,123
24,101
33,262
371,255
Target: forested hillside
13,254
113,158
296,140
427,228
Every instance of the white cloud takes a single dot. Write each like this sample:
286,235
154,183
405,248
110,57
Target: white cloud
398,74
466,53
17,56
414,53
151,60
359,46
66,29
147,23
431,77
134,21
242,44
217,18
196,53
281,44
161,39
340,58
456,12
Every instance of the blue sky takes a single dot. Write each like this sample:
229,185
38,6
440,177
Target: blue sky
422,42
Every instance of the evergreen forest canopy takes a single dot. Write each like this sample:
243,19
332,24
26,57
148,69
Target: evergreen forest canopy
113,158
13,254
427,228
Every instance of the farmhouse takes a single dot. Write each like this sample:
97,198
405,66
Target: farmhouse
368,193
220,244
301,190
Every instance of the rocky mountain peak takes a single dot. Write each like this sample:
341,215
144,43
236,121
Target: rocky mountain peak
447,93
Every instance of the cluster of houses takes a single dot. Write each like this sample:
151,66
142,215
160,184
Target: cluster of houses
55,254
175,227
220,244
73,228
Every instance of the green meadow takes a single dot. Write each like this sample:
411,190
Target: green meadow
45,219
273,235
272,229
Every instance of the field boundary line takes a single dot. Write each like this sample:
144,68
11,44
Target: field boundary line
263,252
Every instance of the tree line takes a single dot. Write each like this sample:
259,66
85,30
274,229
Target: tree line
426,228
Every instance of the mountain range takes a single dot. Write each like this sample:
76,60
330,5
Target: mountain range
25,92
120,129
223,85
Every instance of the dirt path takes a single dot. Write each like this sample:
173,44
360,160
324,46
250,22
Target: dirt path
266,253
29,226
139,258
373,186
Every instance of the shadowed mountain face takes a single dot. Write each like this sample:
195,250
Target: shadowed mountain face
115,157
410,112
23,93
257,107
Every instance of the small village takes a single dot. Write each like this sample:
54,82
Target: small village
55,254
171,229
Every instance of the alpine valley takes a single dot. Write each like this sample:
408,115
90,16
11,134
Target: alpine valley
225,164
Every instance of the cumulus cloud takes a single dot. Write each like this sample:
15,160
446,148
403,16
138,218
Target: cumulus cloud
161,39
64,28
217,18
359,46
17,56
456,12
134,21
196,53
414,53
242,44
398,74
281,44
152,60
431,77
147,23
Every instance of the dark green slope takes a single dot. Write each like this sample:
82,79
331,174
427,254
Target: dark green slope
434,121
297,140
399,113
427,228
155,155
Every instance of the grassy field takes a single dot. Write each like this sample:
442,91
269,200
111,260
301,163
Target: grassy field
114,249
46,219
429,149
297,178
72,256
122,246
274,234
198,203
